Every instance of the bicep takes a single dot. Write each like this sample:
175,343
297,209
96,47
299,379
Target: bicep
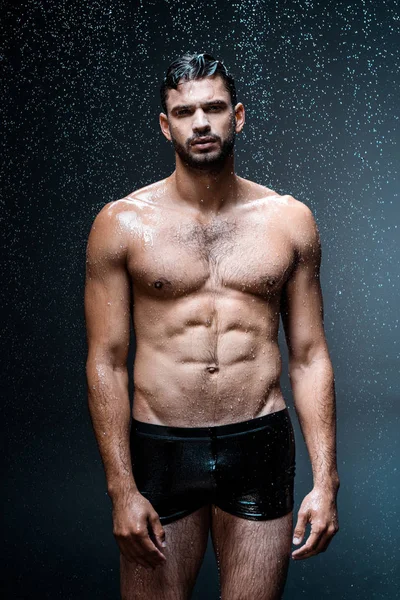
107,294
301,300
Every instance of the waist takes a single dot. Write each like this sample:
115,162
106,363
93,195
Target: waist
274,419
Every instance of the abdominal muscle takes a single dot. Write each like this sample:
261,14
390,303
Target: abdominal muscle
209,370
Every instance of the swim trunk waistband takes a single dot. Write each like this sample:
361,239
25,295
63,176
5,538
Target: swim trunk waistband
214,431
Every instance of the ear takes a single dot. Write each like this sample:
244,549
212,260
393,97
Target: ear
165,126
239,116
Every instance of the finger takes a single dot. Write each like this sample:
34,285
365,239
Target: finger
156,543
143,560
309,546
321,544
325,541
135,558
134,551
158,531
300,528
153,554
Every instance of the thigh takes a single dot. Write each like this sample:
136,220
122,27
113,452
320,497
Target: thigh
186,541
252,556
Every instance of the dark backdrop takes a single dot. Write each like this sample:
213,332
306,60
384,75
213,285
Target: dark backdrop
319,81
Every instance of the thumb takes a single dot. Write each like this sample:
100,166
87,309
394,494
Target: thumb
158,529
300,528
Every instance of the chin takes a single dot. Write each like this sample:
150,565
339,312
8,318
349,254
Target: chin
206,155
208,159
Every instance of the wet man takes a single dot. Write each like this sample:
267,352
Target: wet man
206,262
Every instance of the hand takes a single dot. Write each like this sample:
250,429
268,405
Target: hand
138,530
319,509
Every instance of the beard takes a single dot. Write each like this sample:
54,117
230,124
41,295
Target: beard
211,160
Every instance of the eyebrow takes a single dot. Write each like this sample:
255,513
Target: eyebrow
221,103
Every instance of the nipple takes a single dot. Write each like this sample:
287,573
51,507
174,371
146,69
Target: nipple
159,283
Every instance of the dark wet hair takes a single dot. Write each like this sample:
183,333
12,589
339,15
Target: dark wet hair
195,66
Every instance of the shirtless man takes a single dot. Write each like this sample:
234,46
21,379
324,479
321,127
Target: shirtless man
207,262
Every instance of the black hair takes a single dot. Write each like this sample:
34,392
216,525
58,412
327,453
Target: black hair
195,66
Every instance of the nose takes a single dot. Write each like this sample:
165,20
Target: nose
200,121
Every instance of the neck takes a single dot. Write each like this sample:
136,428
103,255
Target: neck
207,191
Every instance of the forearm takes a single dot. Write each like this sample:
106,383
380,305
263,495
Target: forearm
108,401
315,404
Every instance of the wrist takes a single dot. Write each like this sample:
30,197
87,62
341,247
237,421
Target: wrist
120,491
327,482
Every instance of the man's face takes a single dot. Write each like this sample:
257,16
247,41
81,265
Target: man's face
202,109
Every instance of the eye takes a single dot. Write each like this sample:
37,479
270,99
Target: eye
182,112
214,108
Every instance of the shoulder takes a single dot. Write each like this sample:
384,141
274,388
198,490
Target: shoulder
121,214
295,214
118,221
297,221
107,221
298,213
303,230
300,221
108,235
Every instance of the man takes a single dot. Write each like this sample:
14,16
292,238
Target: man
207,262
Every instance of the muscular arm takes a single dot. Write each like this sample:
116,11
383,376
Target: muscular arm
310,367
312,381
107,309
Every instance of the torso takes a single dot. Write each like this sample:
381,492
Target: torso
206,297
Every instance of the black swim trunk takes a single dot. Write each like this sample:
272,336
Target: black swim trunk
245,468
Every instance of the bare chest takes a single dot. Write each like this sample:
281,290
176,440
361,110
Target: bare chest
175,259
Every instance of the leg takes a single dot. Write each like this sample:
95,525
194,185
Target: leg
174,580
252,556
251,520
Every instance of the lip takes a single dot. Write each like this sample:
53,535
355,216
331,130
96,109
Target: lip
203,142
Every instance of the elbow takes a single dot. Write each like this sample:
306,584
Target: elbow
104,378
101,358
310,357
97,368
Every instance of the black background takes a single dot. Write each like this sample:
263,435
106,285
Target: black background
80,106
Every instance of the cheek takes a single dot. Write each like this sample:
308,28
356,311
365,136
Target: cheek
226,127
181,134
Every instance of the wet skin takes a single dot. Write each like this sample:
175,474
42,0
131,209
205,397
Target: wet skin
206,306
205,286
